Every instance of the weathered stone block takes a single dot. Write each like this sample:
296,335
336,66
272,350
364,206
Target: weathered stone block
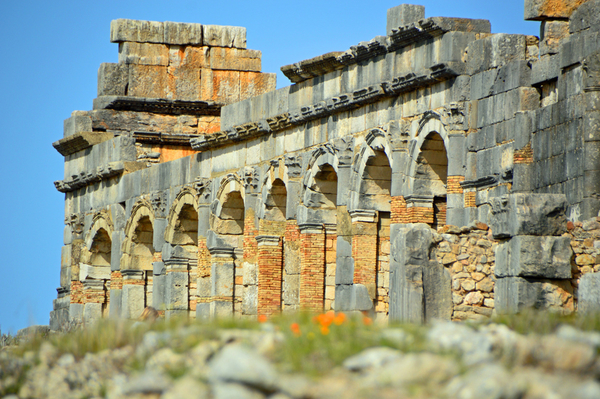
589,293
147,81
528,214
223,282
92,312
496,50
291,290
132,301
584,17
513,294
352,297
235,59
143,53
79,121
540,10
532,256
127,30
93,272
176,291
253,84
552,32
183,83
113,79
224,36
402,15
250,300
182,33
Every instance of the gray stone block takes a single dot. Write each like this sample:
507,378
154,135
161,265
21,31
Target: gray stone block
533,256
528,214
182,33
158,292
115,308
457,155
514,294
158,235
203,311
221,308
113,79
511,76
352,297
589,293
92,312
223,282
224,36
437,294
586,16
544,69
495,51
115,250
291,290
78,122
76,312
250,300
402,15
176,291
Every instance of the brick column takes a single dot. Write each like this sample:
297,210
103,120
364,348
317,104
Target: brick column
270,268
364,249
133,294
222,281
312,266
330,263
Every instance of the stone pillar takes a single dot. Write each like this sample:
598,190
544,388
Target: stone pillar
133,295
203,290
94,297
159,286
222,287
270,269
312,266
364,249
330,263
177,287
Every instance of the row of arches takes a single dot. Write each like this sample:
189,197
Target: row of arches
280,251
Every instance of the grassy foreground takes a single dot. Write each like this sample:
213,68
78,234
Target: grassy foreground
306,343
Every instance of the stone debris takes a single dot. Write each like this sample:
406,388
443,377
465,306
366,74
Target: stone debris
459,361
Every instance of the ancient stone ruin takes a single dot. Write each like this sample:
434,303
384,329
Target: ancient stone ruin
439,171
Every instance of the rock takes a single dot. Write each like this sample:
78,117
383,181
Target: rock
186,388
468,285
415,368
237,363
147,383
371,358
473,298
232,390
451,336
488,381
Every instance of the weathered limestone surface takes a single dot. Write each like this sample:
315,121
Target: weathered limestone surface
368,184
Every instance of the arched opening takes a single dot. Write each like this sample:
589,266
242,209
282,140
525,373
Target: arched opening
185,231
376,183
325,184
230,221
142,250
100,251
275,205
431,176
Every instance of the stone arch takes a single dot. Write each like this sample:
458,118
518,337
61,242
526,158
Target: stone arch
182,222
137,248
95,267
227,210
426,189
370,211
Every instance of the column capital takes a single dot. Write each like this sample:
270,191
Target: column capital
221,252
270,240
363,215
132,274
310,228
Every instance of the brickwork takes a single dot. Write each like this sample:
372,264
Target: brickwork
453,184
399,211
93,296
470,199
524,155
585,242
312,275
270,269
383,267
364,252
76,292
116,280
420,214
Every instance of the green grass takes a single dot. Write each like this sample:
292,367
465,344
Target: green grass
544,322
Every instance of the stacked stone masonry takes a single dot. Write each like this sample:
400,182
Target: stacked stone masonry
436,171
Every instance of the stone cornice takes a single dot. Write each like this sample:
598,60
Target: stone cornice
333,105
80,141
400,37
86,178
158,105
164,138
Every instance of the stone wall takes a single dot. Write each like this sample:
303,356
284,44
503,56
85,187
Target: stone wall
367,185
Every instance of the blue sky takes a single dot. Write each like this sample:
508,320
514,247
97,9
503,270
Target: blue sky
51,51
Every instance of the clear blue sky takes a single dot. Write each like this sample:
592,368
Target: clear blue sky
50,53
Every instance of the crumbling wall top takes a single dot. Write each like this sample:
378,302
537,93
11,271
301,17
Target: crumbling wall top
176,33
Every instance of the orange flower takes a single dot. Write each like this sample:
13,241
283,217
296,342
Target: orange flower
367,320
295,327
262,318
324,330
339,319
325,319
